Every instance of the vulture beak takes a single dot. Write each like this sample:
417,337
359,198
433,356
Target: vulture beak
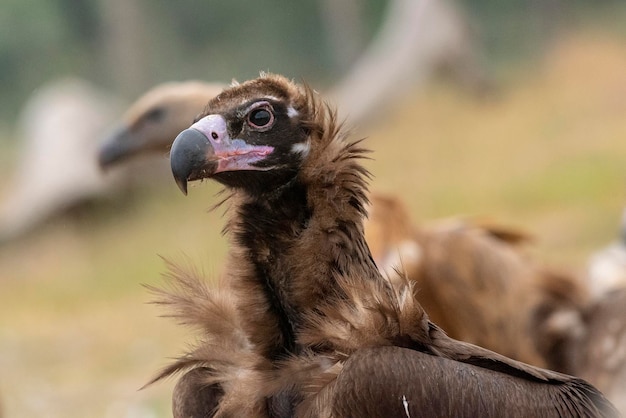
206,149
191,153
116,147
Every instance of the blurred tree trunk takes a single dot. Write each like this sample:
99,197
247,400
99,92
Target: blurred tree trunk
125,44
343,26
416,38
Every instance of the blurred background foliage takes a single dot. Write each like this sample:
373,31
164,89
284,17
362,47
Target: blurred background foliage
159,40
128,46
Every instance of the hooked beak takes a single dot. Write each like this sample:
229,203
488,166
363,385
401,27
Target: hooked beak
115,148
191,154
206,149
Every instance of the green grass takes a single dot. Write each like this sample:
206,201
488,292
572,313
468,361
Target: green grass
547,153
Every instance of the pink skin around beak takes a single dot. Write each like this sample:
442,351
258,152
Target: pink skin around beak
231,154
206,149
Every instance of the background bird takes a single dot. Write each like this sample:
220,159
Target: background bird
479,284
151,123
300,269
63,126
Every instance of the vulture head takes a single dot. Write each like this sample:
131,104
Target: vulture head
153,121
254,136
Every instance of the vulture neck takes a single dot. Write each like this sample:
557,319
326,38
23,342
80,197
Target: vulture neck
297,240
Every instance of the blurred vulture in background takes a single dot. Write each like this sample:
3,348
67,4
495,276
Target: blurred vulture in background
62,126
154,120
475,281
150,125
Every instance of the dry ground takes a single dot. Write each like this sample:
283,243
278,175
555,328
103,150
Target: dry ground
547,153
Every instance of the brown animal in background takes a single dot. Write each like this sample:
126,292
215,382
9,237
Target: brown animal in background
313,328
153,121
476,283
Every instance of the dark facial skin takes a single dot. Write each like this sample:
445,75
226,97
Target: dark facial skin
253,144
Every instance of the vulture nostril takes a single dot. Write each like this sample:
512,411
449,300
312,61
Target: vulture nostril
214,135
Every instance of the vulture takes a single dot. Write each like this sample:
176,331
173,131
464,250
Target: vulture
478,285
153,121
473,281
601,357
304,324
62,126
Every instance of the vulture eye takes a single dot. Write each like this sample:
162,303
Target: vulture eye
261,118
155,114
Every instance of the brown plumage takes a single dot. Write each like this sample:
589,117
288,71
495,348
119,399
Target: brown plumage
153,121
294,329
477,283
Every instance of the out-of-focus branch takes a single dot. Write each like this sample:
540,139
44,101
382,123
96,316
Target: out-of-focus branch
343,26
416,38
